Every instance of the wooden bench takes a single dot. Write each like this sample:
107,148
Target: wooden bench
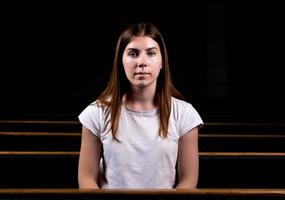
132,194
70,141
44,154
40,126
75,126
243,128
217,170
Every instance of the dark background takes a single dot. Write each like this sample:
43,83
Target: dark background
227,57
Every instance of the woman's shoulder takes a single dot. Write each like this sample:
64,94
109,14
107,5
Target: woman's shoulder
180,103
94,117
97,107
181,107
185,114
97,104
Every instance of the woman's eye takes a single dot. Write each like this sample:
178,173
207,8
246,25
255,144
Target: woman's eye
151,53
133,54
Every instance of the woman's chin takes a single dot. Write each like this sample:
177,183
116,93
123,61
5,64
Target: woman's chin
142,84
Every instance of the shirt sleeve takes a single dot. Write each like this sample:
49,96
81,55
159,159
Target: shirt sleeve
90,118
190,119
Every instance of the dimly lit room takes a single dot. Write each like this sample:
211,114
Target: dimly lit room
213,84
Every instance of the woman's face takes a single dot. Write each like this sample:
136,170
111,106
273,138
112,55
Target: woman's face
142,61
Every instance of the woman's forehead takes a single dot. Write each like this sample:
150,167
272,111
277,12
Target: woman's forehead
142,42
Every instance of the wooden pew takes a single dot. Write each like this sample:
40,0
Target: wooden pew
39,141
40,126
250,142
152,194
232,154
70,141
243,128
75,126
217,170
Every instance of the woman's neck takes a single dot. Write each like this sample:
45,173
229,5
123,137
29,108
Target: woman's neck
140,99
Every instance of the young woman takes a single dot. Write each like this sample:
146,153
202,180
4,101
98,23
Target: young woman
139,128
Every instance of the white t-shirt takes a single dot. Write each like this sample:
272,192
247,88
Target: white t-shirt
142,159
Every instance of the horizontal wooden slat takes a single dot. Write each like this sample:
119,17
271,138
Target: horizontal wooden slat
244,124
37,122
38,153
39,126
113,194
77,122
242,154
29,133
151,192
243,128
229,135
203,154
207,124
75,126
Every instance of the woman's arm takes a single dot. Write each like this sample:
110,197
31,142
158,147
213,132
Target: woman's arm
89,160
188,160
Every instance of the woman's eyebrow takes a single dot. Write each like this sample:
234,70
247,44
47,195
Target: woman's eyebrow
148,49
132,49
151,48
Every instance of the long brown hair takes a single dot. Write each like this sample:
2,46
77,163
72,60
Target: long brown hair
119,84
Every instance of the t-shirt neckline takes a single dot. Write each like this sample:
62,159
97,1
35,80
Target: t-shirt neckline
151,112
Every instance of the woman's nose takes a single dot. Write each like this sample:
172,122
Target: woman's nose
142,61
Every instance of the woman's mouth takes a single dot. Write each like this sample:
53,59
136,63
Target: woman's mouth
142,73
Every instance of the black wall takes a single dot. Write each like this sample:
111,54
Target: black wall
227,57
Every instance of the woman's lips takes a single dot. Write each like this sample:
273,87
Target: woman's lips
141,73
